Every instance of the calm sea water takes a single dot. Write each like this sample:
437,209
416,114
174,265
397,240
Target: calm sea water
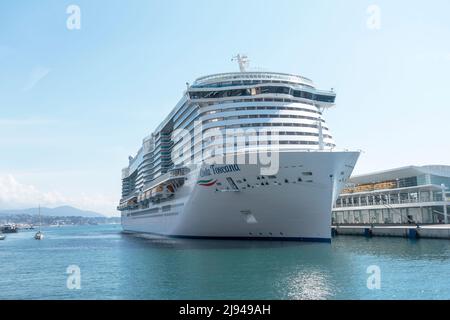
117,266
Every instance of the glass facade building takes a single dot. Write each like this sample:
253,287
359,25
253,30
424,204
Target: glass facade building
409,195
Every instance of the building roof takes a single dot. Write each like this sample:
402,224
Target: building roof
399,173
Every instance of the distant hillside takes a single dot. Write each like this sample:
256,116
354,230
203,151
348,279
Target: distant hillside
64,211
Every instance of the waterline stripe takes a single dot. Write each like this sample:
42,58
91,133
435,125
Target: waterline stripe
290,239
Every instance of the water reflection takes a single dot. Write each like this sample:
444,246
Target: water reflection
395,248
240,269
199,244
120,266
311,285
209,269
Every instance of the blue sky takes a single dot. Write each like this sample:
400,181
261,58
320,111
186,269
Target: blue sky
75,103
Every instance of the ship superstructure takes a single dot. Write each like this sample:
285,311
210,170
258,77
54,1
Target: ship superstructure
242,155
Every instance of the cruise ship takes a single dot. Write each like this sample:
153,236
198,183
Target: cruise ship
243,155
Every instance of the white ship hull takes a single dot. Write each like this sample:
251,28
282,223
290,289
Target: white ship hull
293,206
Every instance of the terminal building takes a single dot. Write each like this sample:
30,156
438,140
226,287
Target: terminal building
408,195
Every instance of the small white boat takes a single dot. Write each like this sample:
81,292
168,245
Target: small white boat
39,235
2,237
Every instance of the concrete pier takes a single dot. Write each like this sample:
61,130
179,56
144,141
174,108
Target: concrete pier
404,231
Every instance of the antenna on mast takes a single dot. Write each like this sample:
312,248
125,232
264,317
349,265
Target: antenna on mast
242,60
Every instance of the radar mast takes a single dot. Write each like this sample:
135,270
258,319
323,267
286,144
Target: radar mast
242,60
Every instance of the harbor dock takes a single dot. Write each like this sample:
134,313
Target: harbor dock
441,231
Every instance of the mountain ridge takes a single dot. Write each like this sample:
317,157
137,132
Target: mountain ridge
62,211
